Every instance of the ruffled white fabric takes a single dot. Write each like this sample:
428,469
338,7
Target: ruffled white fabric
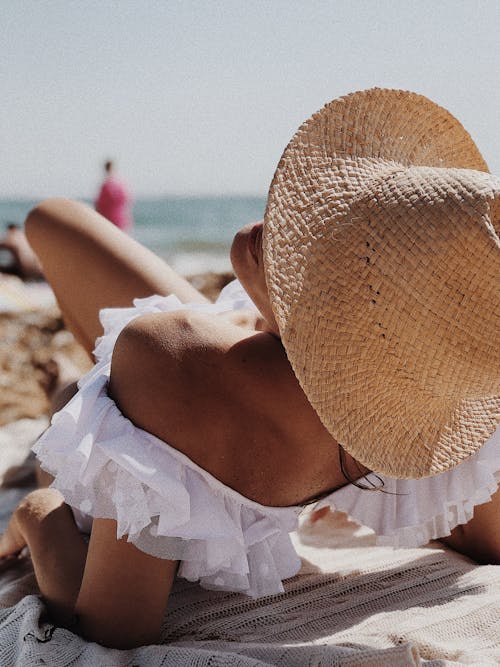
171,508
410,513
167,505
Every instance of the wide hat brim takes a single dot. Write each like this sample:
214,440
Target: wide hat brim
387,311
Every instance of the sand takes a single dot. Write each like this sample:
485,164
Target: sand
29,340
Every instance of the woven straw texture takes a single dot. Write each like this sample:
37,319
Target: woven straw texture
353,604
381,252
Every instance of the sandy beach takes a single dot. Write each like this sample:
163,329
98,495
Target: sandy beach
31,337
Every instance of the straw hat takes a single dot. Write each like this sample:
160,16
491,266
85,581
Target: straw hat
381,252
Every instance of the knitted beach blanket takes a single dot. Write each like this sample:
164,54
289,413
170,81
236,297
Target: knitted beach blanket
353,603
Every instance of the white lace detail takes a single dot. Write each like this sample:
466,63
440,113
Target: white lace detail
413,512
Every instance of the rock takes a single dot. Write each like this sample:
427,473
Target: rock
28,340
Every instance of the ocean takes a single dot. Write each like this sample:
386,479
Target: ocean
193,234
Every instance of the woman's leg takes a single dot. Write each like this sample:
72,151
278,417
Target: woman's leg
91,265
480,537
45,523
124,591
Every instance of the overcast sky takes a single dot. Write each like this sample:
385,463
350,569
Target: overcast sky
202,97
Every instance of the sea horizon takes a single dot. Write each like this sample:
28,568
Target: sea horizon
193,233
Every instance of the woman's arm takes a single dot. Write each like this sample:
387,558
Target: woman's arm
124,591
44,523
480,537
117,592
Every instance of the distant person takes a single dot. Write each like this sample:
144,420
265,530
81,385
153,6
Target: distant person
114,200
17,256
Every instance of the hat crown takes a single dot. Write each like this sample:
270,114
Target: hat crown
418,256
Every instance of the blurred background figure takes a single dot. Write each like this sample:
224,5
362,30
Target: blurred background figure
114,201
17,256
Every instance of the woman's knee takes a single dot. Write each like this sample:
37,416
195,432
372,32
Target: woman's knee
44,219
35,507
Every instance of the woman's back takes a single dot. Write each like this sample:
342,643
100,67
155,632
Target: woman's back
227,398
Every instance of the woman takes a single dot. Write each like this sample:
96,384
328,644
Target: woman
375,275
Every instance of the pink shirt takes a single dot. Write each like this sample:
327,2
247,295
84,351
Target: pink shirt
114,202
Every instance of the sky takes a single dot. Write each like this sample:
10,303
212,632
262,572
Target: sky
201,97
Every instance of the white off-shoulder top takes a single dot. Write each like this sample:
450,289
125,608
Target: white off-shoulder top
169,507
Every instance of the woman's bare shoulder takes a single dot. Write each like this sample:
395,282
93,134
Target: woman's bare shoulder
174,340
169,369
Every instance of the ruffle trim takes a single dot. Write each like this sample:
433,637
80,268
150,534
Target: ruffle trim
167,505
410,513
